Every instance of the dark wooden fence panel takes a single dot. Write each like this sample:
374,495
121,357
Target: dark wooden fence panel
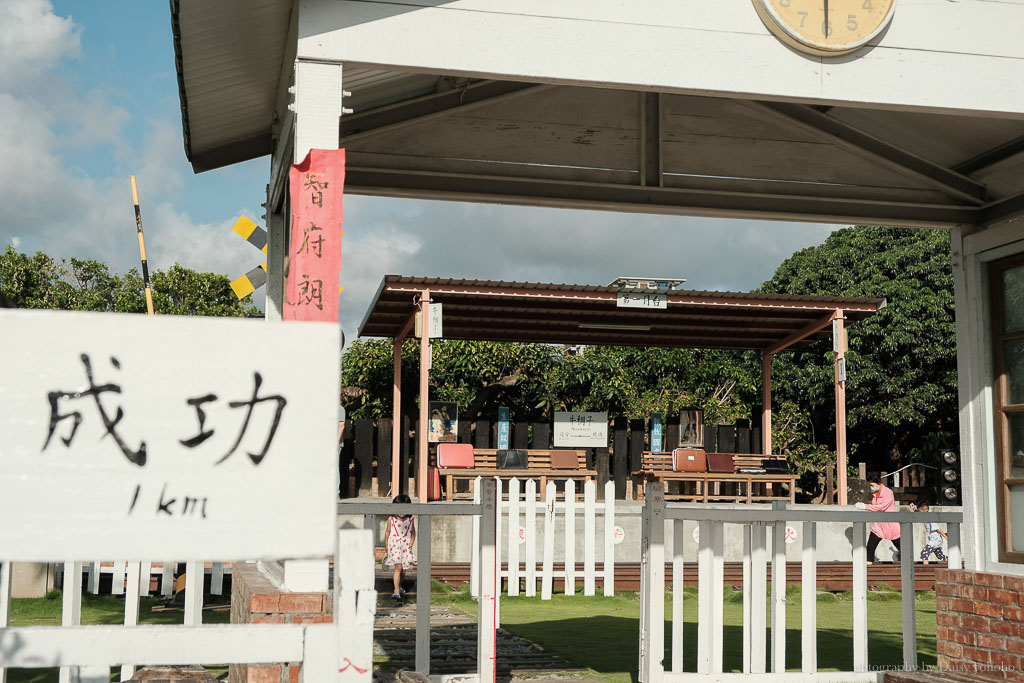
405,466
670,435
482,438
602,465
384,434
520,435
726,439
711,439
542,435
743,436
363,456
465,431
345,460
620,465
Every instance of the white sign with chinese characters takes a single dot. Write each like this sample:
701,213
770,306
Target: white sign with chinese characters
641,300
136,437
582,430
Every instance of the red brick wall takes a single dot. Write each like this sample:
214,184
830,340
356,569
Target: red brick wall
255,600
980,623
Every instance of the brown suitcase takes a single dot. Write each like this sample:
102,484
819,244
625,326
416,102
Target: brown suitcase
564,460
689,460
721,463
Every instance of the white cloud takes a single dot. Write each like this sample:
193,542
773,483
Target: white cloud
33,39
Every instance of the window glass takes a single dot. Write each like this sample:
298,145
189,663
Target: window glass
1013,359
1017,512
1013,299
1016,446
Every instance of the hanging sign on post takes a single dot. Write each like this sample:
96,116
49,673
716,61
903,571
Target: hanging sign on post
656,431
504,427
587,430
314,255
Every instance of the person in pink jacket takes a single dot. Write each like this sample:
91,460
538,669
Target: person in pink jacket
882,500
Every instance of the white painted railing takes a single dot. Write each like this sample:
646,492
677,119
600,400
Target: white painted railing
757,521
86,653
120,571
486,564
518,526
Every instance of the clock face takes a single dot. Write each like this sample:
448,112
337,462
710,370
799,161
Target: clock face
827,27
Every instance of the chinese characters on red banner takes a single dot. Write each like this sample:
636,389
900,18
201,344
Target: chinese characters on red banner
316,187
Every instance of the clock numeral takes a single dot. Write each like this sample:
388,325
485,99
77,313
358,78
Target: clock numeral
803,18
851,22
783,3
826,28
867,5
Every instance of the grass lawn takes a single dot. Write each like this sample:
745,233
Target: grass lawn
96,609
602,633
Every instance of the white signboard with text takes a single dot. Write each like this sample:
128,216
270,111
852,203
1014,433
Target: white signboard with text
581,430
641,300
137,437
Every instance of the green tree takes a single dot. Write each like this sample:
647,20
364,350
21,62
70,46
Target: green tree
901,387
39,281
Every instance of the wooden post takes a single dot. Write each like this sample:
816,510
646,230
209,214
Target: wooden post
840,344
424,425
809,600
609,539
602,465
530,546
487,606
142,248
422,585
779,594
620,464
542,435
570,537
860,598
908,596
397,475
131,608
355,603
520,435
71,611
830,485
766,397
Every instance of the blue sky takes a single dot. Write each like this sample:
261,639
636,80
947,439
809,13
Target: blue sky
89,96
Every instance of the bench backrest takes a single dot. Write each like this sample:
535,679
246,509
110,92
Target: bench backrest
654,461
537,458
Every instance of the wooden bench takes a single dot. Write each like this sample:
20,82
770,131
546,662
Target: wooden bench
708,486
485,464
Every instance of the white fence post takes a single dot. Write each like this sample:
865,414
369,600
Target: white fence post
117,579
94,578
490,582
747,530
6,570
547,571
513,537
423,595
705,613
474,556
809,600
131,608
167,578
609,538
320,650
644,652
589,540
71,610
194,580
654,586
217,579
908,594
499,509
717,595
678,595
144,575
91,674
953,545
531,538
779,594
355,603
758,597
860,599
570,537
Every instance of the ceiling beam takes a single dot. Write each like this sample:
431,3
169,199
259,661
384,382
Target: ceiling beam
423,109
857,141
994,160
1003,210
650,139
426,184
801,335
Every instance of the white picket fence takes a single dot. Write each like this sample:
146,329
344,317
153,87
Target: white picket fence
520,534
758,521
120,571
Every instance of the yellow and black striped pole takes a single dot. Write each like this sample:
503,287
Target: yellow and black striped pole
142,248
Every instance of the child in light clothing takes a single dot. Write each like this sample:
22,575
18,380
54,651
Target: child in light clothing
933,537
399,539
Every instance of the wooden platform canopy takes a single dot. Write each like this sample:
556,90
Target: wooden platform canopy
489,310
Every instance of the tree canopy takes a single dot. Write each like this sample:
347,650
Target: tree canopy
39,281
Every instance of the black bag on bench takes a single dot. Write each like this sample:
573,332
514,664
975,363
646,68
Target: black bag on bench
513,459
774,466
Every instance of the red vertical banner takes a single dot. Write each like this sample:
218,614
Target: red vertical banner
314,253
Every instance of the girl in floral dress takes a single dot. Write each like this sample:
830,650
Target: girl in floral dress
399,539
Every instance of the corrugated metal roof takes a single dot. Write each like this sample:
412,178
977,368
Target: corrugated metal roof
492,310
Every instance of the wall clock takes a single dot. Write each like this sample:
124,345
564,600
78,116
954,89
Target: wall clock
826,27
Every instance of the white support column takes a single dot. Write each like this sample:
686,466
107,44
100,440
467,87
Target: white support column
355,604
860,599
131,608
609,538
513,537
908,596
705,611
953,546
423,595
643,652
277,249
499,510
779,595
486,646
570,537
654,614
758,597
71,610
530,546
547,570
809,600
320,652
678,596
717,595
589,536
194,580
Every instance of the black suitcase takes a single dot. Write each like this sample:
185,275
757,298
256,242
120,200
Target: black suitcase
513,459
773,466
